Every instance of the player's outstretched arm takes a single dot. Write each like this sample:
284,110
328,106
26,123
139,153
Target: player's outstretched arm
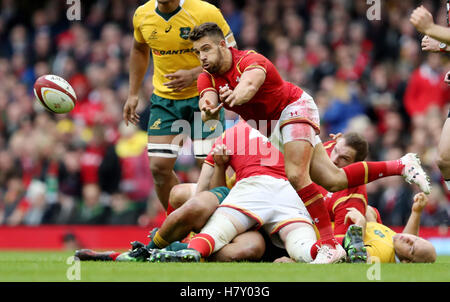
422,20
221,159
206,174
139,59
413,224
249,84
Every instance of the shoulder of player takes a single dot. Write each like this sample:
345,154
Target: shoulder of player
250,58
144,8
200,7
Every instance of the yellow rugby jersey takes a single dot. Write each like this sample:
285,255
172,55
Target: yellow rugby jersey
168,37
379,242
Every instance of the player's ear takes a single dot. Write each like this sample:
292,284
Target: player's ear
222,43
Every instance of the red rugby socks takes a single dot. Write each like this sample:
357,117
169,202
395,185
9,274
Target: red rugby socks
364,172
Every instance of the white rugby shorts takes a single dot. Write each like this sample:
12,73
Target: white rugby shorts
300,120
271,201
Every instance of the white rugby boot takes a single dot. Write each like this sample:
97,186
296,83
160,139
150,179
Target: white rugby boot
414,173
327,254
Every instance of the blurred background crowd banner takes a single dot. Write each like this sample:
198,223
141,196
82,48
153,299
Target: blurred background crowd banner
86,167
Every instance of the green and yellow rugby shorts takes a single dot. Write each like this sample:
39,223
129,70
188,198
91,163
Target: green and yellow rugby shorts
220,192
174,117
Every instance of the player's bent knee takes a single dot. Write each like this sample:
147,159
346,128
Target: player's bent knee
179,194
198,210
160,168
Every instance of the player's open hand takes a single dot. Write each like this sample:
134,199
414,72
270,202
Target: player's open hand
180,79
129,110
355,216
209,111
430,44
420,201
422,19
447,78
221,155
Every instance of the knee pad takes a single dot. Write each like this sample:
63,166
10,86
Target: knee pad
299,241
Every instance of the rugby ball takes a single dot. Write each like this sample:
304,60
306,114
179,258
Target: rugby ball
55,94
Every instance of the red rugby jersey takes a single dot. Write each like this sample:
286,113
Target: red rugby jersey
338,202
272,97
251,153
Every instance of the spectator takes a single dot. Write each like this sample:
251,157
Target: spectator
426,88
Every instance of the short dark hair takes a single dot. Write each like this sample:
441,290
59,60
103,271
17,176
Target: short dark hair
358,143
209,29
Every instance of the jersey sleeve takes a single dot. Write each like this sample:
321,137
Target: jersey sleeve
204,83
329,146
251,61
137,18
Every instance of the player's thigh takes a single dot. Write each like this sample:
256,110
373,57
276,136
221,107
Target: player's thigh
247,246
163,152
324,172
180,193
167,127
199,208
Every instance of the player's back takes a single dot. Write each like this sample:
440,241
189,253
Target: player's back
251,153
379,242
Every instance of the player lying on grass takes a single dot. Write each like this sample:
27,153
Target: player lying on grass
388,246
249,84
368,236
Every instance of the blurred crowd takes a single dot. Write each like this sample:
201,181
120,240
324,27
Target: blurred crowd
86,167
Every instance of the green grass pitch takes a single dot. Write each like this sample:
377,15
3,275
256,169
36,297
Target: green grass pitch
48,266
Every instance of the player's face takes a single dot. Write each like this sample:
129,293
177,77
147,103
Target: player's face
411,248
342,155
210,53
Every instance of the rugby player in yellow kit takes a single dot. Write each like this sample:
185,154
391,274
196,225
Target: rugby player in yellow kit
367,235
162,27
